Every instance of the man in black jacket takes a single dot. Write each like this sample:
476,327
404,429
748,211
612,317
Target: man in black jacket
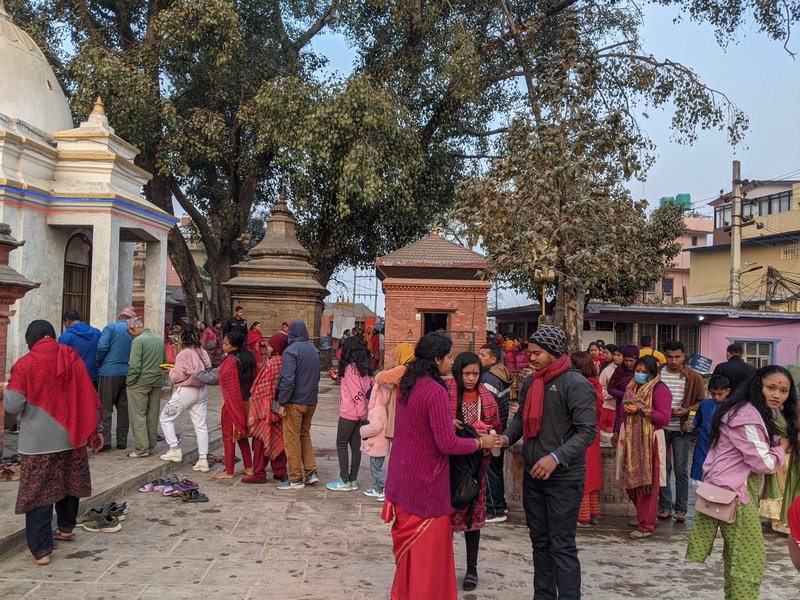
236,323
736,370
557,420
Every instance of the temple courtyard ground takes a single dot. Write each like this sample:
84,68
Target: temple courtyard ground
254,542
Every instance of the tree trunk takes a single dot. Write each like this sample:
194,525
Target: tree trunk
219,267
570,303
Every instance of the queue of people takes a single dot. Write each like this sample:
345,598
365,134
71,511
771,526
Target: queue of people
565,403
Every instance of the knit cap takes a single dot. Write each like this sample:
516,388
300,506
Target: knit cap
127,313
278,342
552,340
630,351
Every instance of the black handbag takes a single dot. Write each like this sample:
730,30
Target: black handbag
466,472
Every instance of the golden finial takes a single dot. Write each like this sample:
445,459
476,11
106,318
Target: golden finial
99,108
435,230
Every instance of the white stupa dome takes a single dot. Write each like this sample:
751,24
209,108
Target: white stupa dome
29,90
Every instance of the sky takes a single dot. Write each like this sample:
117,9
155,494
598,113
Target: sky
757,74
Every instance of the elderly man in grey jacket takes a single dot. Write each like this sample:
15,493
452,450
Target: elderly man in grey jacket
557,420
298,388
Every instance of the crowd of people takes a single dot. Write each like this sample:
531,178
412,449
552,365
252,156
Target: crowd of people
445,420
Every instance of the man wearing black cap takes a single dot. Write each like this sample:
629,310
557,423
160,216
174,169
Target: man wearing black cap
557,419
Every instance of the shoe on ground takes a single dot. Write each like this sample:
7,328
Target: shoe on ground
105,524
135,454
253,479
664,514
339,486
120,447
93,514
106,448
353,486
470,582
291,485
496,517
173,455
373,492
381,498
312,478
201,465
637,534
634,522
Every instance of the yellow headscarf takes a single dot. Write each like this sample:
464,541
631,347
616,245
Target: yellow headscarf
404,353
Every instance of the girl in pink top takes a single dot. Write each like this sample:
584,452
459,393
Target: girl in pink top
188,395
744,446
355,369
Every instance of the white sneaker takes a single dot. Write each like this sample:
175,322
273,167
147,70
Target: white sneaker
173,455
201,465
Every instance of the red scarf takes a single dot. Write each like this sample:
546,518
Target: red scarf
232,401
534,401
53,378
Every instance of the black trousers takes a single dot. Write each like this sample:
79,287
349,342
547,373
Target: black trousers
348,434
39,524
495,486
551,513
113,394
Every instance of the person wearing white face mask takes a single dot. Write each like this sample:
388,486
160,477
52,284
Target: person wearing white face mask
640,463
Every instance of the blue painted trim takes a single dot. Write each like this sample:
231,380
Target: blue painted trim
773,342
170,220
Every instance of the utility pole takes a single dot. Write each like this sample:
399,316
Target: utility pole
768,292
736,236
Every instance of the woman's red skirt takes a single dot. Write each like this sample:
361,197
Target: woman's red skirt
423,552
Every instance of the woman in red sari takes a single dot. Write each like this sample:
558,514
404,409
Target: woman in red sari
265,426
589,512
418,484
255,342
472,403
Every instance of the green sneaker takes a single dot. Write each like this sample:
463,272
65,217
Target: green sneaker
353,486
105,524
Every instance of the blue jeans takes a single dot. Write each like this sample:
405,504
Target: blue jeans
378,474
678,461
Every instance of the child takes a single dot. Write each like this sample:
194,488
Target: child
355,369
374,441
719,389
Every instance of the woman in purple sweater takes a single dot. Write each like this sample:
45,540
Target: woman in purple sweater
418,483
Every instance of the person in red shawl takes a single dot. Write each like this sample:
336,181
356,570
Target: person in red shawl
589,512
265,426
793,517
375,349
557,419
255,342
60,414
234,377
472,403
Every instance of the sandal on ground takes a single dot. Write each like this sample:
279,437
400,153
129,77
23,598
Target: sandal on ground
584,524
194,496
664,514
594,520
158,484
64,537
638,534
178,488
470,582
680,518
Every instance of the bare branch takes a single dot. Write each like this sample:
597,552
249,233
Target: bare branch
323,20
198,218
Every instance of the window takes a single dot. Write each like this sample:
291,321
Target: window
624,334
768,205
722,216
694,240
790,251
667,287
757,353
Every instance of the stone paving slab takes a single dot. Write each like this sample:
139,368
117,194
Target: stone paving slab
255,542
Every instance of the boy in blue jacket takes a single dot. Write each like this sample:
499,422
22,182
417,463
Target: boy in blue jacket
719,389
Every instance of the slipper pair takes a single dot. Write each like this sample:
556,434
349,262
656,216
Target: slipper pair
194,496
158,485
184,485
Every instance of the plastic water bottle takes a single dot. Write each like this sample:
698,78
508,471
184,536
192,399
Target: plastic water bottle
494,451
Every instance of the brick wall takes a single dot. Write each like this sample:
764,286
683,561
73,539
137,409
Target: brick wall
464,301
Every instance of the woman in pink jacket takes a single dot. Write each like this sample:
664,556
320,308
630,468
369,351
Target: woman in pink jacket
188,395
355,369
743,448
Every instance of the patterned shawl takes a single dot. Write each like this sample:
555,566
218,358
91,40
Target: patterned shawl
637,462
261,421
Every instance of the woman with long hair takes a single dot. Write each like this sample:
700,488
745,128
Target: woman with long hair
355,371
418,485
647,407
473,404
235,377
265,426
608,415
211,338
619,380
743,449
589,512
596,354
189,394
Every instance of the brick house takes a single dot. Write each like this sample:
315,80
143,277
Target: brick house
430,285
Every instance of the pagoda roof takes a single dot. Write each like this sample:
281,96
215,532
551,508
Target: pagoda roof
433,251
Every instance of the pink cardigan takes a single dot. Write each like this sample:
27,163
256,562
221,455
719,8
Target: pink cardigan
373,434
190,360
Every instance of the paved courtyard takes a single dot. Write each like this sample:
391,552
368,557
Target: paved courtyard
253,542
